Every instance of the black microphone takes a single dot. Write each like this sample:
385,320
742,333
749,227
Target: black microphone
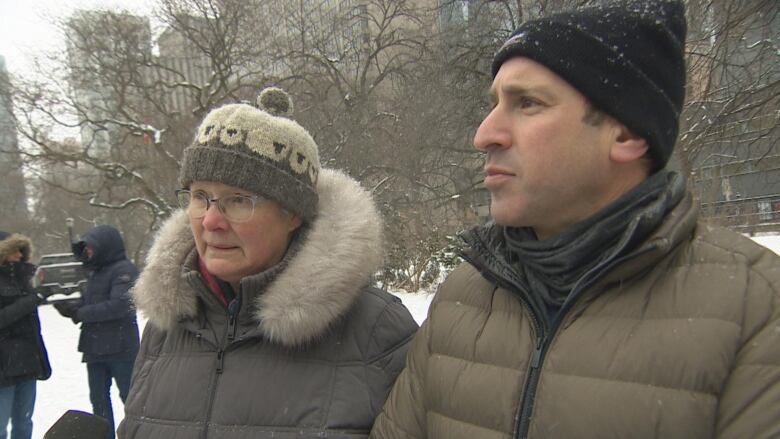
75,424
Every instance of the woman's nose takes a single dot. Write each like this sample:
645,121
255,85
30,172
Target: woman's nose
214,218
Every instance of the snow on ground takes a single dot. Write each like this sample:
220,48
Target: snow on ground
67,388
772,242
417,303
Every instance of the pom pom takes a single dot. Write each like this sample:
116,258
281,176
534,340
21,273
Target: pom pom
276,101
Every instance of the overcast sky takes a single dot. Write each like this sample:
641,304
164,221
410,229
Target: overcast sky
27,29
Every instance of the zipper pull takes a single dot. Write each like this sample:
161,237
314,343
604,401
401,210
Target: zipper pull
537,356
220,357
233,307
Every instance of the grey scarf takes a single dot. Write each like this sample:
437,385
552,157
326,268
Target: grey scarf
552,267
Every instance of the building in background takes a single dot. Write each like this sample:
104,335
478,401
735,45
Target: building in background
181,67
104,52
732,142
13,195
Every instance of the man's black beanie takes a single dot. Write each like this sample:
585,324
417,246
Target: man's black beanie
626,57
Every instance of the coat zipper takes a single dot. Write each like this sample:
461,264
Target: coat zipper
526,408
526,403
233,308
537,358
544,338
230,333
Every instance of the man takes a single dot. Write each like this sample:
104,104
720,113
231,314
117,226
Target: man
23,357
109,331
595,305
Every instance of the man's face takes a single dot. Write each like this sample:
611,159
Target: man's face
82,251
545,167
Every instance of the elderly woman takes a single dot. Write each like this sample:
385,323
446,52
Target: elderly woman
261,322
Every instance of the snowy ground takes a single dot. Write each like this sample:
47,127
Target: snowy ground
770,241
67,388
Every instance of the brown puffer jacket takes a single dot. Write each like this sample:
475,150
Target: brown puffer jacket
680,340
312,354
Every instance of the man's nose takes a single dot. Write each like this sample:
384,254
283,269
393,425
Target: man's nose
493,132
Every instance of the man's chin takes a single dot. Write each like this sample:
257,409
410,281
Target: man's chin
505,217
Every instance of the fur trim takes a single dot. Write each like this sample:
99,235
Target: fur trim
341,250
156,293
13,242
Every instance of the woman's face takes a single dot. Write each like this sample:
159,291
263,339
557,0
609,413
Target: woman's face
15,256
232,251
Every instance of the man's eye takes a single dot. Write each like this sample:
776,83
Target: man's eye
526,102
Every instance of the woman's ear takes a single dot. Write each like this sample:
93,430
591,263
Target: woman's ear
627,146
295,222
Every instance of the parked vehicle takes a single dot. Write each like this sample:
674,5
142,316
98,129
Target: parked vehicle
60,273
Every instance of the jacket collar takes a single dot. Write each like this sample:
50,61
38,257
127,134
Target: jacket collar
340,251
485,246
678,226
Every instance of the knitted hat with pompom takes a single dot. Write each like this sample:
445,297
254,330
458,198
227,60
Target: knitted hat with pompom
259,149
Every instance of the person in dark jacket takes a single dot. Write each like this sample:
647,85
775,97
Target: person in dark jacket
23,357
109,331
261,320
595,304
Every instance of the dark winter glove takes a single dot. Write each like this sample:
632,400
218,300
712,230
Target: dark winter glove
69,309
44,292
40,296
79,249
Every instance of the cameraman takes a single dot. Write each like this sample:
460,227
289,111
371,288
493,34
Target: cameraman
109,331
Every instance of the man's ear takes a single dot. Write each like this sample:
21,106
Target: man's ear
627,146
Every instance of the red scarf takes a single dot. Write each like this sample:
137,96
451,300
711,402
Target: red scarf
211,280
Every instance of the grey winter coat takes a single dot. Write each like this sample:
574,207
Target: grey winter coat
313,354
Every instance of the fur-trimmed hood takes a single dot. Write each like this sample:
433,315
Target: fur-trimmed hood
13,242
340,251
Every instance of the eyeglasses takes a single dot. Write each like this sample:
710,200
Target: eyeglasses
236,208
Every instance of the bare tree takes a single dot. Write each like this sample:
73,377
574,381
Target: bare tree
730,133
392,91
133,110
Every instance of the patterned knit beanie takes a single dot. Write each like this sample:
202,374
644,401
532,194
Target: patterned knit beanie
258,149
626,57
